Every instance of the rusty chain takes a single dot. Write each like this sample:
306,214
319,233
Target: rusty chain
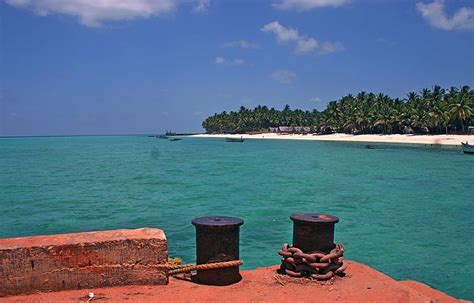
317,265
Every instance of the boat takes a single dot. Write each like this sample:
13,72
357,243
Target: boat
234,139
467,148
158,136
175,139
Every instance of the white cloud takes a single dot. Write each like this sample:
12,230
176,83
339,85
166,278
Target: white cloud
283,34
435,15
306,45
95,12
386,42
219,60
304,5
328,47
303,44
241,44
315,99
283,76
235,61
238,61
201,6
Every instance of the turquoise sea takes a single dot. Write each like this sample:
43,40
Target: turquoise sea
405,210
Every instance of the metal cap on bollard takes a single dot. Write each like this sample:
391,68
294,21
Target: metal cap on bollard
217,240
314,232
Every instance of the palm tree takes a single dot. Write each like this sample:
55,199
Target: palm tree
460,106
367,113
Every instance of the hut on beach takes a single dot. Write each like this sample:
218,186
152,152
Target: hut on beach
301,129
285,129
290,129
407,130
273,129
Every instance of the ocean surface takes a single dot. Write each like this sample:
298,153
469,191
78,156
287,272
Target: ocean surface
405,210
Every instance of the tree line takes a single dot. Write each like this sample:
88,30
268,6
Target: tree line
434,111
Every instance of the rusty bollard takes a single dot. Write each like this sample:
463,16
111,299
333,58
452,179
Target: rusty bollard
217,240
314,232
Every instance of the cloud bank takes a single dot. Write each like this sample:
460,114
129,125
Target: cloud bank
201,6
305,5
434,13
94,13
303,44
283,76
241,44
223,61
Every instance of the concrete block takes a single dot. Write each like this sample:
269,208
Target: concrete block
83,260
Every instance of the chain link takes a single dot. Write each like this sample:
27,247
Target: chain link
317,265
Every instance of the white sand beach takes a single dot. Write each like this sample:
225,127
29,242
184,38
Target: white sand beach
406,139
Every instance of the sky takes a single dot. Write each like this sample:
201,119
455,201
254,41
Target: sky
89,67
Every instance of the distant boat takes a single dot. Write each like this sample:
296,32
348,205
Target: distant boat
234,139
175,139
158,136
467,148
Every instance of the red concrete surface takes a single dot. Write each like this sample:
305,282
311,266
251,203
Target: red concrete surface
82,260
361,284
84,237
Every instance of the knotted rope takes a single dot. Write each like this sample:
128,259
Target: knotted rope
317,265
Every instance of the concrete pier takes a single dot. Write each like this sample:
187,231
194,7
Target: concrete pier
83,260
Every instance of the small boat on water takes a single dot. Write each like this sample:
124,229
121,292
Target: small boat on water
158,136
175,139
467,148
234,139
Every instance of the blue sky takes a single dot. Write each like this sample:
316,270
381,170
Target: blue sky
144,66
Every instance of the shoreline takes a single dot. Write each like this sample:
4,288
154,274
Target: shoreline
449,140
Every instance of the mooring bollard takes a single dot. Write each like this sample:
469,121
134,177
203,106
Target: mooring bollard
314,232
217,240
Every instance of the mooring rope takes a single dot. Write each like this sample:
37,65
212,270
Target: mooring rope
317,265
177,269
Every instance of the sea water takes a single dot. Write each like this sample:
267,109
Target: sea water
405,210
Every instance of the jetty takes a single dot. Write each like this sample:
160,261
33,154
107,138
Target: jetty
362,284
132,265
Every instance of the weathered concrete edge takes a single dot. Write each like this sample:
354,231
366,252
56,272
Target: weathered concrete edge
83,260
81,238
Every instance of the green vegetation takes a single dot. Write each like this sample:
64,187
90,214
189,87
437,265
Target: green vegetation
434,111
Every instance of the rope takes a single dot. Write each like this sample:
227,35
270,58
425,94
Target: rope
177,269
317,265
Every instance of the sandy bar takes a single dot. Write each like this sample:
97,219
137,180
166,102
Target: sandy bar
452,140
